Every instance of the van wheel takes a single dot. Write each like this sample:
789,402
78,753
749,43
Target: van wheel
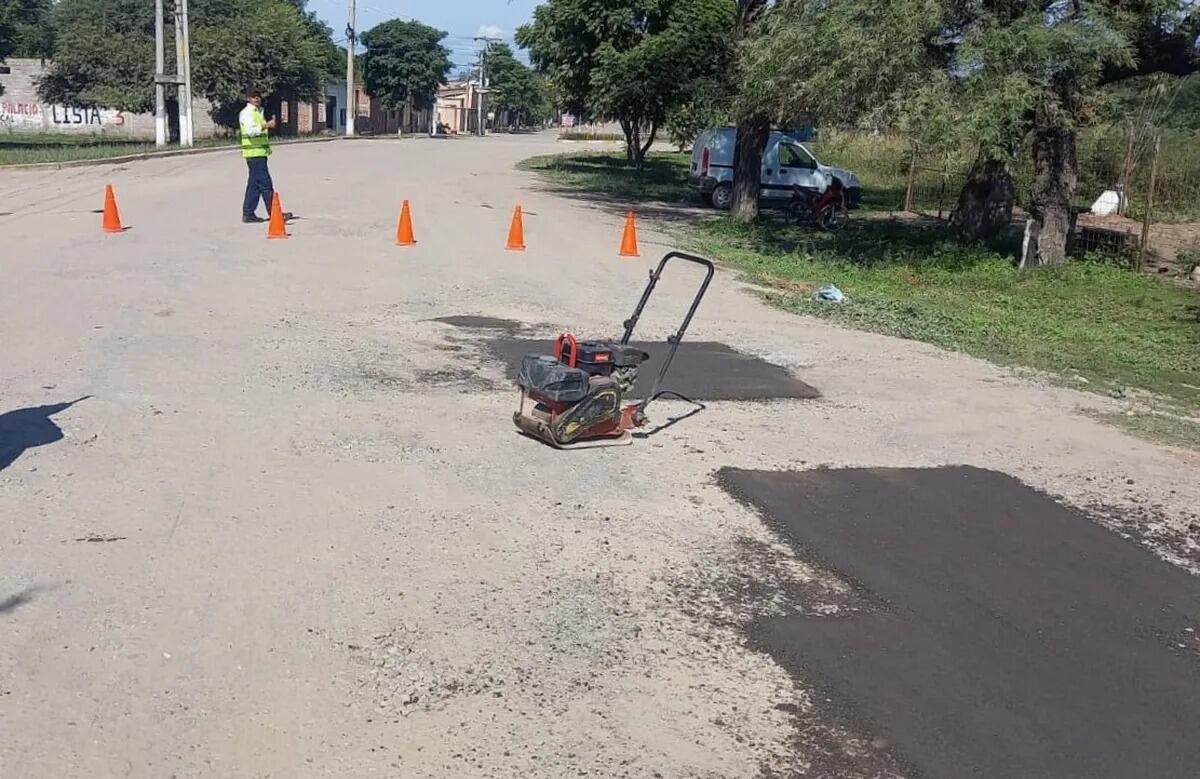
722,196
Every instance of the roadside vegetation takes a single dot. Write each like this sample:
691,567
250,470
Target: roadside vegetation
1093,324
52,147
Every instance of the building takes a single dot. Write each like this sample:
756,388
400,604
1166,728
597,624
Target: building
371,116
458,105
381,120
336,102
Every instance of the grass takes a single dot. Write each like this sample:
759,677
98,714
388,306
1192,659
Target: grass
1166,428
1099,325
589,135
1096,325
54,147
1100,153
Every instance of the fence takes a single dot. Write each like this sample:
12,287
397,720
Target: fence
1156,176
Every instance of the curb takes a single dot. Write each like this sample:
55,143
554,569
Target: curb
149,155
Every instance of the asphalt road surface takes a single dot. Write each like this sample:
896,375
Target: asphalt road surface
262,515
1011,637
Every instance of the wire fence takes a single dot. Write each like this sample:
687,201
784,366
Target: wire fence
1151,180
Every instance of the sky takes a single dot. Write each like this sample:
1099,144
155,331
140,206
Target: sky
462,20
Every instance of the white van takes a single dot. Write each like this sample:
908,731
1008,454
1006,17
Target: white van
786,164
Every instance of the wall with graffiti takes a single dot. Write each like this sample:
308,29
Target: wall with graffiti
21,111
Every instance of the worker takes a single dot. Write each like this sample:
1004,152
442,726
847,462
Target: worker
256,147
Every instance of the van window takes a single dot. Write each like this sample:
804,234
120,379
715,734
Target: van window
794,157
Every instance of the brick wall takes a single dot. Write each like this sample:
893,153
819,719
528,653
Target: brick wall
22,111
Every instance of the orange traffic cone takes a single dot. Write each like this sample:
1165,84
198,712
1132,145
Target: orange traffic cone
112,218
275,228
516,233
629,239
404,230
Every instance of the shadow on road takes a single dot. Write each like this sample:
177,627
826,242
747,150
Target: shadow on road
683,212
17,600
26,428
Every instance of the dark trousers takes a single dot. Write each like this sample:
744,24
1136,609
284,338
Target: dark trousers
258,184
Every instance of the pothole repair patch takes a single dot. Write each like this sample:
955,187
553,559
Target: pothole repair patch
702,370
1006,625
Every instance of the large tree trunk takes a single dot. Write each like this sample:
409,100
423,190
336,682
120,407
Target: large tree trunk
985,203
1053,188
753,130
752,135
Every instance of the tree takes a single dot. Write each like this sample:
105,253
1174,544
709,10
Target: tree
753,121
630,61
7,31
405,63
709,103
332,56
997,74
104,53
26,28
262,45
915,92
514,88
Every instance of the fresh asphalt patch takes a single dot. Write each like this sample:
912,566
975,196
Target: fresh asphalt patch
1009,636
472,322
702,370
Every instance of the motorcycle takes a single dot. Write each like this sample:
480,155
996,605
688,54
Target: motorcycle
825,209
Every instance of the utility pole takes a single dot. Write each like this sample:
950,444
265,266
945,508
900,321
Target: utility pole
160,89
187,72
182,63
483,77
479,99
351,99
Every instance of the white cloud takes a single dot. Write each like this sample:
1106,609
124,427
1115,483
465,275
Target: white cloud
490,31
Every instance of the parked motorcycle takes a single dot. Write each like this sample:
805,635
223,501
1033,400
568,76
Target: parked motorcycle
826,210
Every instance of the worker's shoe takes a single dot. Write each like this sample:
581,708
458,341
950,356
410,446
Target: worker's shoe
255,219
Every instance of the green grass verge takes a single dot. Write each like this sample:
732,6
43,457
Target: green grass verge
51,147
1104,328
1114,328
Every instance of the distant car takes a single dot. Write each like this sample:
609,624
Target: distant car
786,164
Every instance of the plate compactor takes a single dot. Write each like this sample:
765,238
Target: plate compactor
579,394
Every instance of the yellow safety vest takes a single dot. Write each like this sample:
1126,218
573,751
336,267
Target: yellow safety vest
254,145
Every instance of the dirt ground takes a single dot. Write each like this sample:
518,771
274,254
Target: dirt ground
1167,241
290,530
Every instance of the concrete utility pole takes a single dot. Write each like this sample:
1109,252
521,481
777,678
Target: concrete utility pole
483,77
183,61
187,72
482,87
160,89
351,102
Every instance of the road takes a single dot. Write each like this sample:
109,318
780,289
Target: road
288,528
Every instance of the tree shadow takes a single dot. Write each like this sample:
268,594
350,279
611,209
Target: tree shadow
19,599
26,428
613,183
682,212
